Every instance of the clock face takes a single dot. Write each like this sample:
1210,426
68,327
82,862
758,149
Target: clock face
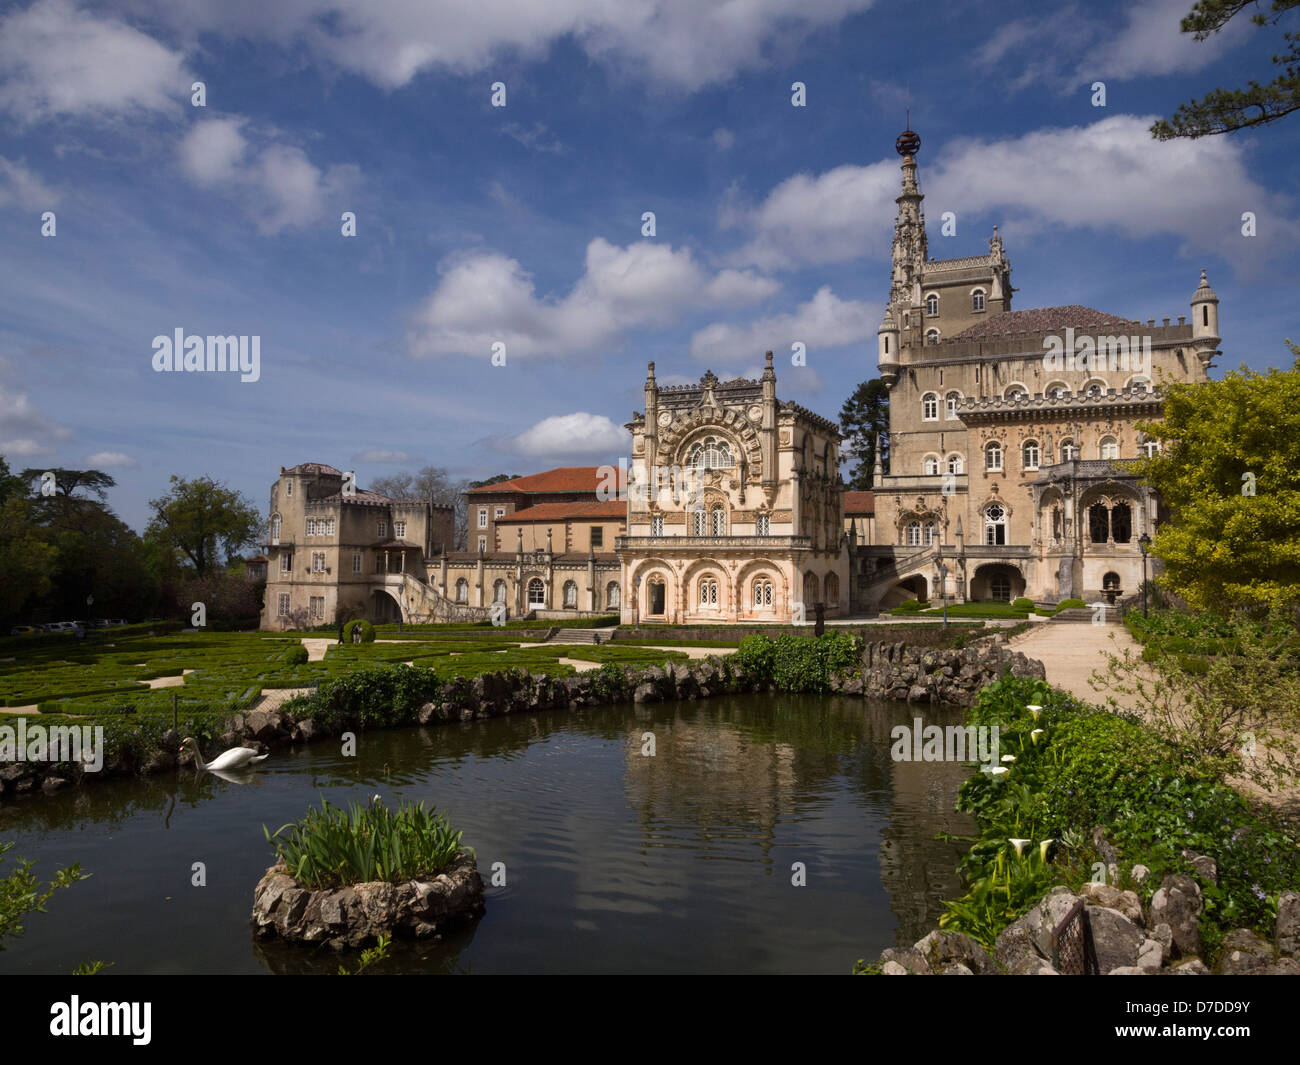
755,413
665,418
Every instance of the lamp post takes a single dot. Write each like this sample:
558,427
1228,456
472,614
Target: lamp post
1144,542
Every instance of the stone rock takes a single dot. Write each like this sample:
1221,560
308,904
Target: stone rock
1151,955
1288,924
1129,970
1126,902
645,693
1042,920
942,948
52,784
1280,967
1189,966
1014,948
1164,935
263,725
909,959
1177,903
955,968
1205,866
892,968
1243,952
308,730
1117,940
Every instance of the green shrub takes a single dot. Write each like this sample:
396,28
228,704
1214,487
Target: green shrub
1022,603
756,655
331,847
911,606
367,631
1070,604
295,655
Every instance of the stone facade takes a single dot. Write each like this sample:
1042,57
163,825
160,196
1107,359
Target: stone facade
735,507
1008,430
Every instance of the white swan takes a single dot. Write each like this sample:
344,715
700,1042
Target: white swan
235,758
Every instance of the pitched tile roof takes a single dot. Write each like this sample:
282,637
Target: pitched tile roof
614,508
859,502
563,479
1043,320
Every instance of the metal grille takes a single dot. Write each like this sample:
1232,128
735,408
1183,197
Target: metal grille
1073,953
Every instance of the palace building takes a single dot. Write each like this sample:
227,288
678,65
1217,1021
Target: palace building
1009,430
735,507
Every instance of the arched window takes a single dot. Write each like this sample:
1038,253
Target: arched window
1098,523
931,465
932,303
1121,523
810,587
762,589
955,463
951,402
711,453
657,525
993,456
1000,587
718,525
977,300
499,592
931,531
1056,390
1149,448
1110,582
1069,451
831,589
275,529
699,521
570,595
1030,453
930,407
995,524
611,594
913,534
763,525
1015,394
1109,447
932,336
462,591
708,593
536,592
1095,388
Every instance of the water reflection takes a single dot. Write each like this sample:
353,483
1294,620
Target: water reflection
614,860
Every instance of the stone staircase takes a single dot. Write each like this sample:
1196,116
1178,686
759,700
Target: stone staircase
423,605
587,636
1111,615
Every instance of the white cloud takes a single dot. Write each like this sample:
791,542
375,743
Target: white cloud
680,43
487,297
382,457
20,186
24,430
277,185
58,60
823,322
723,139
1110,176
1149,43
571,434
110,459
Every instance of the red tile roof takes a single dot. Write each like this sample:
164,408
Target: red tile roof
859,502
564,479
1043,320
614,508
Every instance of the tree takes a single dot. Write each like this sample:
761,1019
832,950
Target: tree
27,561
865,419
1228,110
21,893
201,520
432,483
1229,472
66,482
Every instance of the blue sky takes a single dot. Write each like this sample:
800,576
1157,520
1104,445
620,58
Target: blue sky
523,223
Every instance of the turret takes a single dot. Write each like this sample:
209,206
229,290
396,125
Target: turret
887,349
1205,322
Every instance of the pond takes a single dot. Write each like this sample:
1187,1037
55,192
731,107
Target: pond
614,861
